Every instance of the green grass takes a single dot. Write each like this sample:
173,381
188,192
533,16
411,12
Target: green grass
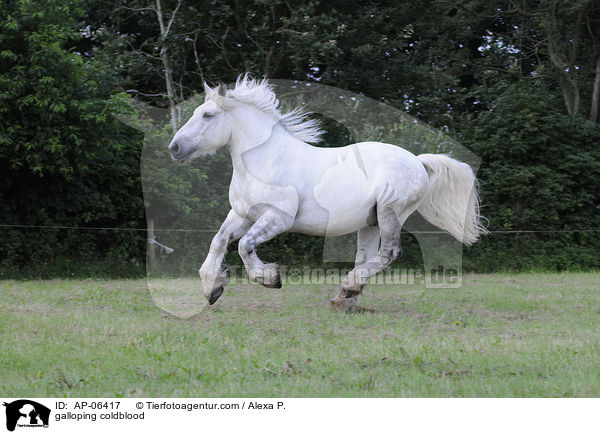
499,335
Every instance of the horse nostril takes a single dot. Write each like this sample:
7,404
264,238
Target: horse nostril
174,148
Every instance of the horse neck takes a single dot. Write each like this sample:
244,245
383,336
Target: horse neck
252,128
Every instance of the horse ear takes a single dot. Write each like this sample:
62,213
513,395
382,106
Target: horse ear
207,89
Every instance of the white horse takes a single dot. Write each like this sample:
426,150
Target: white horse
281,183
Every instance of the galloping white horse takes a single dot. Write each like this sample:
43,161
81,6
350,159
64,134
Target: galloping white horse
282,184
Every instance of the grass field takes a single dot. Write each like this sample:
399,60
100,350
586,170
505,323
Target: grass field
499,335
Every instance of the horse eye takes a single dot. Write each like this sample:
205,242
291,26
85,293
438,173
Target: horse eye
207,115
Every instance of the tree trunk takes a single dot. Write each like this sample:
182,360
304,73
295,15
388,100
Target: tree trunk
595,94
164,57
566,64
170,87
570,93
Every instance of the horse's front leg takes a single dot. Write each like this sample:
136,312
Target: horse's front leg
270,224
212,273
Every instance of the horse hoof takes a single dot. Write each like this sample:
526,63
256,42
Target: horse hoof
215,294
276,283
271,277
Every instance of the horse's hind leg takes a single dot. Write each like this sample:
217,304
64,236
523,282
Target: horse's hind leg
390,223
270,224
367,244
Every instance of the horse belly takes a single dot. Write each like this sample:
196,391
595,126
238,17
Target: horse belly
334,220
348,217
347,195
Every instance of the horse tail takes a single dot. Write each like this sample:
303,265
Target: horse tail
452,200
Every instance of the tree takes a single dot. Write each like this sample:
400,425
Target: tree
514,78
574,48
555,41
540,172
64,159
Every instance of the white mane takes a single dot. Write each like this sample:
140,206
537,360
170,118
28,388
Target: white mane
260,94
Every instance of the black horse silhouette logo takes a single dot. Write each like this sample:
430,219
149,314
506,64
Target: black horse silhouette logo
26,412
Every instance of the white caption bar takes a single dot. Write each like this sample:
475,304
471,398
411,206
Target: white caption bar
133,415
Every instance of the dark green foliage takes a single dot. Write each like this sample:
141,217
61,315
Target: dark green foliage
483,71
541,172
64,159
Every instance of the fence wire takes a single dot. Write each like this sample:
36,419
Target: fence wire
100,228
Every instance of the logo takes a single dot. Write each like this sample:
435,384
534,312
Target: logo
26,413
